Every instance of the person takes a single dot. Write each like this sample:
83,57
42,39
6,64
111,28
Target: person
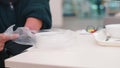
33,14
98,3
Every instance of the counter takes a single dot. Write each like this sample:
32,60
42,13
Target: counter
86,54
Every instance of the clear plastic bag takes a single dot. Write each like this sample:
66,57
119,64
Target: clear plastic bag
26,37
9,30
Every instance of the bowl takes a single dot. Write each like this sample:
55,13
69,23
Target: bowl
113,30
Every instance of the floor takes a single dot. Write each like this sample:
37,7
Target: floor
75,23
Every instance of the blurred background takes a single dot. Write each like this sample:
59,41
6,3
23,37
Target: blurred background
78,14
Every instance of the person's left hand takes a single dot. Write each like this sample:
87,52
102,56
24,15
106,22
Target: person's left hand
4,38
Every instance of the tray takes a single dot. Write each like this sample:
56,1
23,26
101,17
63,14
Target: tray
100,37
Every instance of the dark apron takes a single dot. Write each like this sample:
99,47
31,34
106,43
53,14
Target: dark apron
11,49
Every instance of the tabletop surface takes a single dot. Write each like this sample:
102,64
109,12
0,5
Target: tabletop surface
86,53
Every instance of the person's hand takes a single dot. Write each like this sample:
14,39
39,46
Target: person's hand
33,24
4,38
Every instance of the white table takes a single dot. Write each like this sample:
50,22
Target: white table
87,54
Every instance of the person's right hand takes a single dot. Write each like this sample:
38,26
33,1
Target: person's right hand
4,38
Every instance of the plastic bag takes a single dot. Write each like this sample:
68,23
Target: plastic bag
26,37
9,30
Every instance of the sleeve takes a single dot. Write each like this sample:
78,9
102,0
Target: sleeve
39,9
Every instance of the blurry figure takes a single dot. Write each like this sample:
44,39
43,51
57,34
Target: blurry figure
98,3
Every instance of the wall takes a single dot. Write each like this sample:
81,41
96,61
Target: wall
56,10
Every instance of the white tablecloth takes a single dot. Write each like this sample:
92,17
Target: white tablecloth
86,54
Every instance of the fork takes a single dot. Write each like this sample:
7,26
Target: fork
107,38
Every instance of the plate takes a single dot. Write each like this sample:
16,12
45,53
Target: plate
100,37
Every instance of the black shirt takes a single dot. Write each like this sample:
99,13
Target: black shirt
16,12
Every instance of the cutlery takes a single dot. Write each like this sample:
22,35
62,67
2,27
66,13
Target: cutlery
107,38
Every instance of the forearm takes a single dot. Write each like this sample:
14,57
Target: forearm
33,24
